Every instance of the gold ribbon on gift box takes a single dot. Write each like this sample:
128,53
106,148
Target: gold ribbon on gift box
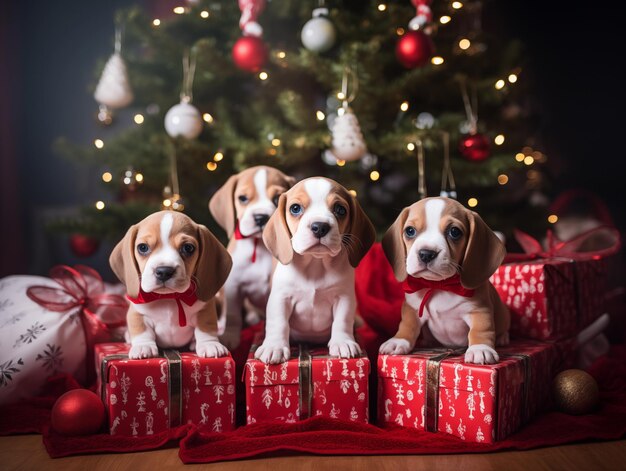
175,374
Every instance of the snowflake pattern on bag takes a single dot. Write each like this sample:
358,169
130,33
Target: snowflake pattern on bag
9,369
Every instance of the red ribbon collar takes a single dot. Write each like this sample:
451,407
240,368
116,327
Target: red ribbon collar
239,236
189,297
452,284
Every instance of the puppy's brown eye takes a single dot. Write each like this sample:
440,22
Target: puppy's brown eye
187,249
143,249
243,199
340,210
410,232
455,233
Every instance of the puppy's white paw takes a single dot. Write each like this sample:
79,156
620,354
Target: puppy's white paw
344,348
481,354
395,346
231,338
502,339
143,350
211,349
272,352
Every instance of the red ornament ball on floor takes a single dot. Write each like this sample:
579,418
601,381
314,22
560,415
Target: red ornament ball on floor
250,53
414,49
83,246
77,412
475,147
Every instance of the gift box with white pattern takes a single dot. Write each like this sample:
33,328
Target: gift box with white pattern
147,396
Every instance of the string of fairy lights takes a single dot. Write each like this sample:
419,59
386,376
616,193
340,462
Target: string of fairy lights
527,156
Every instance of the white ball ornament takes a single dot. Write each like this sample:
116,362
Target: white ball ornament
318,34
183,120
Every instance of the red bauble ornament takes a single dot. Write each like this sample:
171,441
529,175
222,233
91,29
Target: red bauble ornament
414,49
77,412
250,53
83,246
475,147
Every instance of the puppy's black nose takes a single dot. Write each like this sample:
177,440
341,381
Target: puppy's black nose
427,255
164,273
320,229
261,219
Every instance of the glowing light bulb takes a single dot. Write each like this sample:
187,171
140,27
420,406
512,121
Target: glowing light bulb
512,78
179,10
465,44
218,157
99,143
499,84
320,115
204,14
374,175
139,177
445,19
341,163
263,76
404,106
167,203
211,166
400,31
341,96
352,192
529,160
519,156
472,202
156,22
457,5
275,142
382,7
281,54
100,205
139,119
503,179
499,139
207,118
410,146
437,60
553,218
107,177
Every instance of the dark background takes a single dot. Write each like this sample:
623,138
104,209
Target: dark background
48,53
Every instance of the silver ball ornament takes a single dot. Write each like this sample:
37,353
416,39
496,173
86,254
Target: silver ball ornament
318,34
183,120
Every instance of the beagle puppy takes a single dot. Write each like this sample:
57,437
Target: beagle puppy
242,207
172,268
319,233
444,254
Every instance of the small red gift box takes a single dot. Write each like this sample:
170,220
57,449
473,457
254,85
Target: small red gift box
144,397
556,293
310,383
436,390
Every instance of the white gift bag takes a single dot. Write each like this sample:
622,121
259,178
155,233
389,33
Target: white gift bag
48,326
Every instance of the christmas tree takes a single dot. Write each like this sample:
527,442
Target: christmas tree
358,93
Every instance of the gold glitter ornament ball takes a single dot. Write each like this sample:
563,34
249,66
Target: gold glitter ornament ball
575,392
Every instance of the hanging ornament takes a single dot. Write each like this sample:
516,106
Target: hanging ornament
184,119
448,186
113,90
415,48
83,246
347,140
575,392
318,34
77,412
475,147
250,52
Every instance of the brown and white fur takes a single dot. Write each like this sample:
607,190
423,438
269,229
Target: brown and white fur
162,254
249,199
431,252
319,233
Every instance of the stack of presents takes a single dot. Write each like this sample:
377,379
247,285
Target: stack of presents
551,301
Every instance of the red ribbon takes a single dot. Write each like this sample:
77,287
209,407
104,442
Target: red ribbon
570,249
83,287
239,236
452,284
189,297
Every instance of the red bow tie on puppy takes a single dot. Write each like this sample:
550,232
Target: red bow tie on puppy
444,254
172,268
319,233
242,207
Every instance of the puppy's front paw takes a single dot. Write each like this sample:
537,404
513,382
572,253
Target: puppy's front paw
395,346
211,349
481,354
345,348
143,350
231,338
272,352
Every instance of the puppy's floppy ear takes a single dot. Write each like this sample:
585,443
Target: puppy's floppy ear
213,265
276,235
483,255
123,263
222,205
393,246
362,230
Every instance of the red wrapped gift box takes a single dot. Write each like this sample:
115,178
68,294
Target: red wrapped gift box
310,383
144,397
436,390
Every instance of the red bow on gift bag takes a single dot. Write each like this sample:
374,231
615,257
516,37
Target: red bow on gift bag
605,241
82,287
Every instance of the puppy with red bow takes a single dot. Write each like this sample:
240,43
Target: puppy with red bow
242,207
172,268
319,233
444,255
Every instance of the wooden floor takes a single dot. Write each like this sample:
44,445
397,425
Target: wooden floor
28,453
